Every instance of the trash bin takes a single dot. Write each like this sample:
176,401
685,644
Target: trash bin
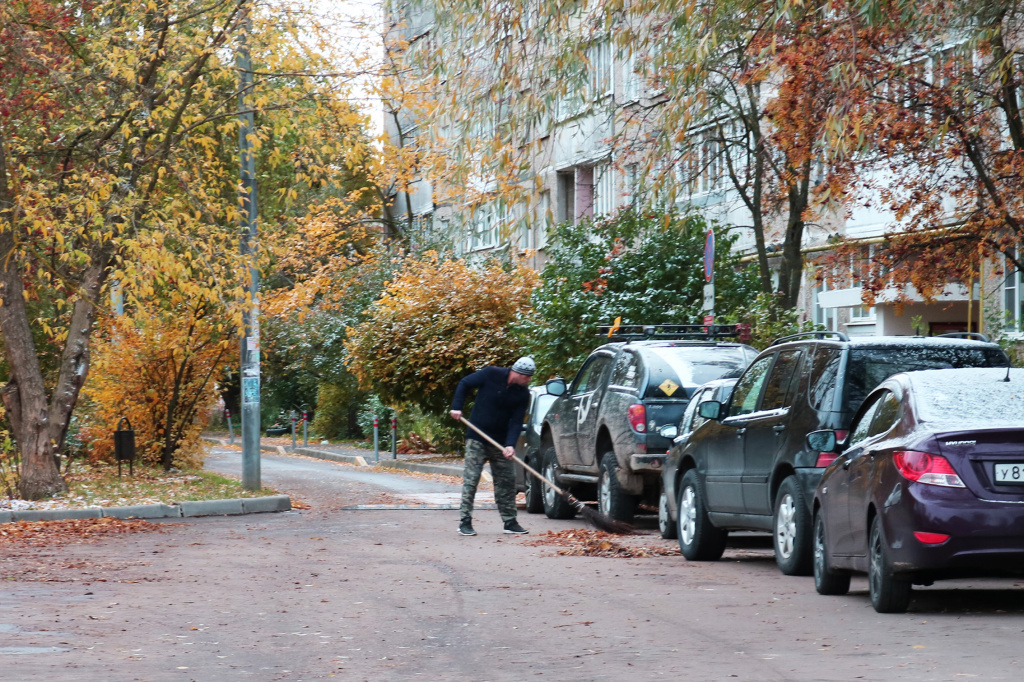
124,446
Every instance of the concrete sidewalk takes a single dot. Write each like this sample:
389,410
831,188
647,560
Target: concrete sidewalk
360,457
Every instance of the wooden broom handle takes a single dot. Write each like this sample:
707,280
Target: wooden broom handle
516,458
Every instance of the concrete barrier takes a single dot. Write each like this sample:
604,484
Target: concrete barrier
212,508
143,511
272,503
57,514
422,467
6,517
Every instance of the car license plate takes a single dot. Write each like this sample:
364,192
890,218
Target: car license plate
1010,473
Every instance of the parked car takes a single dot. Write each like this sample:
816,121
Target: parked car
600,437
528,448
928,486
749,466
718,390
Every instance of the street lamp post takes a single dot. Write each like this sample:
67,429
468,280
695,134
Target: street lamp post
250,350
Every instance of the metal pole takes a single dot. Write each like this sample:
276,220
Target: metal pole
376,438
394,437
293,430
231,427
305,431
250,351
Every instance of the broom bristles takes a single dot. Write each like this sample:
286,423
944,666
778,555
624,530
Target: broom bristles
597,519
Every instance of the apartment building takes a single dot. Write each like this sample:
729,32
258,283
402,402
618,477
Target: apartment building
587,158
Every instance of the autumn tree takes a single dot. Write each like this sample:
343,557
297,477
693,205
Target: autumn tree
114,120
437,321
641,268
934,91
158,368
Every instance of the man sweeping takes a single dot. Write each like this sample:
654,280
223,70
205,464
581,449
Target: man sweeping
502,397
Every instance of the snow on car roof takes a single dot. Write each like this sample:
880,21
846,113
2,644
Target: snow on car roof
975,397
923,341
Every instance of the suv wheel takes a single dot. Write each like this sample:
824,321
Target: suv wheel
555,506
792,530
534,491
698,539
612,500
826,581
666,526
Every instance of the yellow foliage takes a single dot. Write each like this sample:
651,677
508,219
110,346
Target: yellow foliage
439,320
161,372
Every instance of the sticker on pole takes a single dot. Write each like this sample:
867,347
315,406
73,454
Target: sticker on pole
251,390
709,255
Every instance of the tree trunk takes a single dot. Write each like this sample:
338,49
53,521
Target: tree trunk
40,424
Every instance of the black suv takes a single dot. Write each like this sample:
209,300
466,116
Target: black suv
600,437
748,467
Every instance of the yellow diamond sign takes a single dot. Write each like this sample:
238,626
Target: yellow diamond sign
668,387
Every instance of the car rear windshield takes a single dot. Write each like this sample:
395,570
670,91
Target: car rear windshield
978,398
674,368
871,366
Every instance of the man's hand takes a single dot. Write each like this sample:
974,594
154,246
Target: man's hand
509,452
456,414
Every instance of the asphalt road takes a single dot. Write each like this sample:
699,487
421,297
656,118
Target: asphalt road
393,595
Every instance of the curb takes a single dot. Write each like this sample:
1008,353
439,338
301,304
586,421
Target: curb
359,460
242,505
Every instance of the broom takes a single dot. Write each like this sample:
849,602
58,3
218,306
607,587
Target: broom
594,518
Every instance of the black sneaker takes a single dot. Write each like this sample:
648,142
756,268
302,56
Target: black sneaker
512,526
466,527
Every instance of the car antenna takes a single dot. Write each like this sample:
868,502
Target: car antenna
1007,379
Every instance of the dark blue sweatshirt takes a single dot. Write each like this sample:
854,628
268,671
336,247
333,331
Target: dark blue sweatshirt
499,407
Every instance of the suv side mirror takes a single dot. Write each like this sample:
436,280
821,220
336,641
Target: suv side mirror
710,409
669,431
556,387
822,441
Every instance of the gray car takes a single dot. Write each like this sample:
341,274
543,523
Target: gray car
718,390
528,448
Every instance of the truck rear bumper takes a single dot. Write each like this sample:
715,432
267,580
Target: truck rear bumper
647,462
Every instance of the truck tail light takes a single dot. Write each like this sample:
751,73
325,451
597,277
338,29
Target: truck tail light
637,415
924,467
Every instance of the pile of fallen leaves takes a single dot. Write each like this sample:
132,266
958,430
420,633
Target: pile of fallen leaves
70,531
596,543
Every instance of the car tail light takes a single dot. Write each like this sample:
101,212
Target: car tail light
637,415
841,435
825,458
930,538
924,467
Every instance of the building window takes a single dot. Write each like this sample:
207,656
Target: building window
604,190
1013,300
483,233
826,317
602,78
543,221
631,78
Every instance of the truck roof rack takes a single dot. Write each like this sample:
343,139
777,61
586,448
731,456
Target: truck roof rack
668,332
964,335
839,336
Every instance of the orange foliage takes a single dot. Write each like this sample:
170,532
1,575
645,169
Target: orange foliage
159,371
438,321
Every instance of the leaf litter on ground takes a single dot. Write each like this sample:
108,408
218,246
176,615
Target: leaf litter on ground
71,531
596,543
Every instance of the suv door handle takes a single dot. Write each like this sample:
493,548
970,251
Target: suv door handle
740,432
778,428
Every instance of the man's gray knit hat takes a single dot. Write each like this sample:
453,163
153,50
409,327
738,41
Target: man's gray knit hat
525,365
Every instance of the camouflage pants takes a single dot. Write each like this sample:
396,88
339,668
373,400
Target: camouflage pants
503,472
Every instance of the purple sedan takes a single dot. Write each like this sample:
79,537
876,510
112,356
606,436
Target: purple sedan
929,485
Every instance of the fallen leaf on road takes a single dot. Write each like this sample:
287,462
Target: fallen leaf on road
582,542
41,533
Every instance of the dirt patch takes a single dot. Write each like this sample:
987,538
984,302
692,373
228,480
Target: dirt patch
595,543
